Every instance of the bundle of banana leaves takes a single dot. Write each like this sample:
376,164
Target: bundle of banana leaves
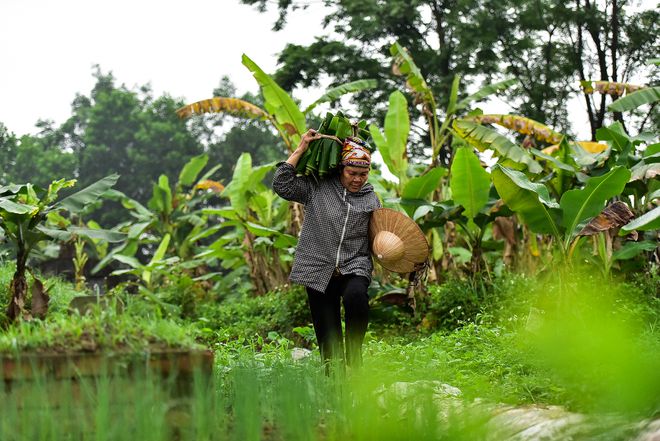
324,155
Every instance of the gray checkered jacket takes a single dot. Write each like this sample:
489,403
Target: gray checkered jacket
335,230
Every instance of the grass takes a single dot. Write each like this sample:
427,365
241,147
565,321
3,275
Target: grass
267,398
561,342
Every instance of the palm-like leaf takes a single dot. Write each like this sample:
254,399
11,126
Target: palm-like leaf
404,65
635,99
529,200
469,182
520,124
341,90
485,138
485,92
288,117
232,106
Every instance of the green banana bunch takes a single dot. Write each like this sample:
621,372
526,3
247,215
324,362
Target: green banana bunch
324,154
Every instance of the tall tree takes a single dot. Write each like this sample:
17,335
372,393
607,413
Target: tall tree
538,42
609,43
8,146
34,159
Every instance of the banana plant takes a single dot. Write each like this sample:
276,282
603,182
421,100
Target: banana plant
255,223
473,206
439,133
279,107
409,191
172,223
25,213
534,206
604,227
393,144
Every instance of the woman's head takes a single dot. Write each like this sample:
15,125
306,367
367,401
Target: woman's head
355,152
355,164
353,178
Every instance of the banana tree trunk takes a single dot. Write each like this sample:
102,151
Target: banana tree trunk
252,259
18,286
505,228
266,271
297,216
477,261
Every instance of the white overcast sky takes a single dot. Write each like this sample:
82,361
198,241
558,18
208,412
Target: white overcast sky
48,48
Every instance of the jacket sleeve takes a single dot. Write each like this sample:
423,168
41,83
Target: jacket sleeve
289,186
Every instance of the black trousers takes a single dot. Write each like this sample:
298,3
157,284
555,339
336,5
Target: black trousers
326,316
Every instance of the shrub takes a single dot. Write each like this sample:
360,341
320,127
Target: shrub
454,303
278,311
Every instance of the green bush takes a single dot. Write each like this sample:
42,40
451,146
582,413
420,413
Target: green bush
127,323
279,312
455,303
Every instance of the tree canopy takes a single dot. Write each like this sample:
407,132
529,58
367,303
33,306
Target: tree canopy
547,45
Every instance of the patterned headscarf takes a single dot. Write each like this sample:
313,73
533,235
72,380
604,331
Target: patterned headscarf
355,153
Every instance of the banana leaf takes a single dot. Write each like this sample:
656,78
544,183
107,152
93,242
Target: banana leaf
191,170
635,99
404,65
278,103
632,249
157,257
469,182
580,204
485,138
88,195
531,201
421,186
647,221
232,106
341,90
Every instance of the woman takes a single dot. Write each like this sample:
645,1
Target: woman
332,259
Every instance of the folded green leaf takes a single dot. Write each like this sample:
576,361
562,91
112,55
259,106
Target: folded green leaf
647,221
341,90
469,183
635,99
191,170
77,201
531,201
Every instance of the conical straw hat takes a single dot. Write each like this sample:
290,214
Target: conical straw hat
397,242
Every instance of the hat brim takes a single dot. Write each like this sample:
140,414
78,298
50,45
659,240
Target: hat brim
416,247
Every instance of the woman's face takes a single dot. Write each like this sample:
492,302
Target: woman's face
353,178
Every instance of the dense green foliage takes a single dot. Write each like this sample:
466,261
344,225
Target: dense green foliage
542,286
118,323
599,358
567,41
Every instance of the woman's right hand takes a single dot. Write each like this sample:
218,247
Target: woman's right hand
309,136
